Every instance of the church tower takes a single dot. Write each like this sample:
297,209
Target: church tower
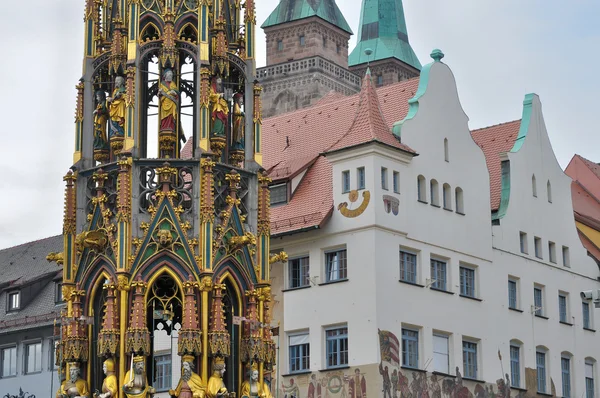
383,43
165,256
307,55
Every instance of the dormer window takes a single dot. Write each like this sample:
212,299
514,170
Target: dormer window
278,194
14,301
58,296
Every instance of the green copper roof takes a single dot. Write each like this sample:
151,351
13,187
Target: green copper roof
293,10
383,29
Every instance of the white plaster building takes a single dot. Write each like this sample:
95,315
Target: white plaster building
419,240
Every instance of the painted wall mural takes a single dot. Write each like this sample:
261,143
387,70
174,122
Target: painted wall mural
391,204
349,210
346,383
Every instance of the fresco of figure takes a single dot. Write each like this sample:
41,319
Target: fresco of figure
109,385
357,386
75,386
191,384
216,388
219,108
136,381
117,108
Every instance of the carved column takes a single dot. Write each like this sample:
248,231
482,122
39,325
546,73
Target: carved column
263,227
257,122
69,232
207,214
205,287
250,21
78,123
123,243
203,141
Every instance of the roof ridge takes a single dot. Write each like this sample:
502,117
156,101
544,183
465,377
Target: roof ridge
495,125
30,242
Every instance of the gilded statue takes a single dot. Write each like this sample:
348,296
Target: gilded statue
117,108
75,387
169,100
219,108
100,116
110,388
190,385
251,388
136,381
216,388
237,136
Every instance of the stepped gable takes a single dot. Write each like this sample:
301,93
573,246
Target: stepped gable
494,140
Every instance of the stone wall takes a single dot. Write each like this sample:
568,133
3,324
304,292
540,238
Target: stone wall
391,71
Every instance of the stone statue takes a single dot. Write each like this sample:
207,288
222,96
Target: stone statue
75,387
219,108
169,100
190,385
109,385
216,388
252,388
239,121
136,381
100,117
117,108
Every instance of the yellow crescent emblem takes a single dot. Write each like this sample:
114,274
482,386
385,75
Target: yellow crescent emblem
353,197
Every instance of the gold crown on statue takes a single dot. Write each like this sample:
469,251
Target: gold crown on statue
139,358
74,365
254,367
219,361
188,358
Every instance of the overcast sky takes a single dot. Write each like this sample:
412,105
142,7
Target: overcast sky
498,50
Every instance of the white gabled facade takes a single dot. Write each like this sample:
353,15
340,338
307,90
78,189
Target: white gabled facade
390,253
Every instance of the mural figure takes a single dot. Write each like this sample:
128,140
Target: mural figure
387,384
391,204
219,108
314,387
137,385
100,117
357,386
117,109
75,387
237,136
109,385
216,387
169,99
251,388
434,387
395,381
190,385
291,391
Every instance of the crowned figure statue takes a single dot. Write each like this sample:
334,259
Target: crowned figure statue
191,384
136,381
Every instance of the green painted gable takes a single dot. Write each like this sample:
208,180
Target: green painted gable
293,10
382,29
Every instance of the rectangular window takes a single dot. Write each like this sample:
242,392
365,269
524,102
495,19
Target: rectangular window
467,282
335,265
379,80
589,380
408,267
337,347
299,272
278,194
540,360
360,178
345,181
565,256
162,372
585,307
512,294
384,178
302,40
515,366
538,247
410,348
552,252
279,45
470,359
565,366
58,297
538,301
396,182
438,274
441,358
299,353
523,242
562,308
14,301
33,358
9,362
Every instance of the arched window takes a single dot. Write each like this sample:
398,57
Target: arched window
421,189
458,198
549,191
533,186
446,152
447,197
434,192
516,363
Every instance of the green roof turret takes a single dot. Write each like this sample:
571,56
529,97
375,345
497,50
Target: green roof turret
292,10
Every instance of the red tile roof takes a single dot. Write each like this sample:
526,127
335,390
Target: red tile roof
495,140
585,205
594,167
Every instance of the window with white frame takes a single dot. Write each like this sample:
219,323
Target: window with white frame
565,368
538,300
9,361
565,256
589,379
421,189
298,272
438,274
33,357
434,192
563,307
441,356
278,194
467,281
540,361
360,178
552,252
299,350
336,347
447,192
345,181
585,309
410,348
14,301
513,302
396,181
162,372
469,359
384,178
335,265
537,243
408,267
523,242
515,365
